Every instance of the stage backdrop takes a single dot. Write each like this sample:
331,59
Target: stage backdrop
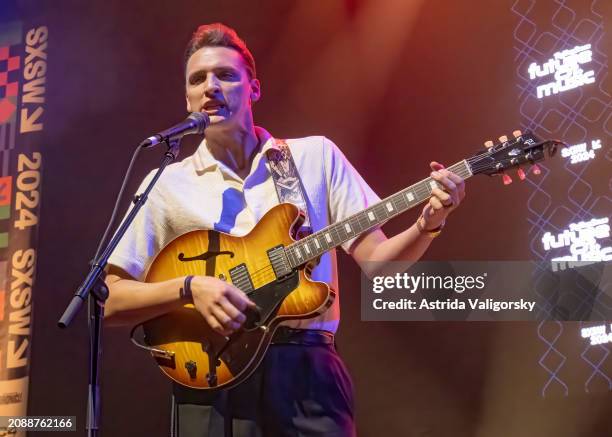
396,84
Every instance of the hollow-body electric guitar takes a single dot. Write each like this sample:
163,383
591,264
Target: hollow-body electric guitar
272,268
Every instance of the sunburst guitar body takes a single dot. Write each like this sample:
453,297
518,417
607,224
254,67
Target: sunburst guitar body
185,347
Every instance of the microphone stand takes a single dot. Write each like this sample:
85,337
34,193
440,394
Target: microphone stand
94,287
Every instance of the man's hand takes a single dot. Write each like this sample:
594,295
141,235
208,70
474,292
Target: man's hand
221,304
442,202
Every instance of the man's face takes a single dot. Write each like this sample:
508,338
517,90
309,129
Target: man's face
217,82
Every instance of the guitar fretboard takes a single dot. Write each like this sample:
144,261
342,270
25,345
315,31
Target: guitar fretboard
318,243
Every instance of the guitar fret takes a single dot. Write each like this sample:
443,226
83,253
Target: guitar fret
312,242
343,235
363,222
398,202
338,239
355,225
334,236
381,211
351,222
291,257
424,190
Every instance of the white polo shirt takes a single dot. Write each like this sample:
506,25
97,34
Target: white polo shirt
203,193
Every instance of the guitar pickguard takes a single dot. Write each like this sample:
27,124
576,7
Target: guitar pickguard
269,298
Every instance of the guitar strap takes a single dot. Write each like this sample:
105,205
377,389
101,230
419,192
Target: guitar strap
289,187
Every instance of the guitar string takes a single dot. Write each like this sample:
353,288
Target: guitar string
262,274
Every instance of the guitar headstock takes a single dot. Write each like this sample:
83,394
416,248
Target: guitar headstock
524,149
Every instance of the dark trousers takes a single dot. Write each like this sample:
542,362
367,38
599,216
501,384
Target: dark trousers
297,390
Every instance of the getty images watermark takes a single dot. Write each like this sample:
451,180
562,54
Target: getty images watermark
458,284
486,291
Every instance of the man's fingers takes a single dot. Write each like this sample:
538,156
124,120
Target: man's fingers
444,180
224,319
232,311
445,198
452,183
216,325
436,166
458,180
435,203
238,298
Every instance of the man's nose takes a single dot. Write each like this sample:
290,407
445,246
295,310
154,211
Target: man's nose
211,85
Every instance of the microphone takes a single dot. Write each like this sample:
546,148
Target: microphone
194,124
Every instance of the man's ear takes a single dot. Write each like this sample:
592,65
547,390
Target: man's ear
255,90
188,104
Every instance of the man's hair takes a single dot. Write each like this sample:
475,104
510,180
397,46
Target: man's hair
219,35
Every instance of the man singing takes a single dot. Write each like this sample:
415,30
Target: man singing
302,386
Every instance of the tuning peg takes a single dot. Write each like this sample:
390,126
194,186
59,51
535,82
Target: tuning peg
507,179
535,169
521,174
488,144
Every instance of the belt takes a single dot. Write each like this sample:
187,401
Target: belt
307,337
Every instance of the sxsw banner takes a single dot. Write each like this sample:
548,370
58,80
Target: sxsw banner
23,67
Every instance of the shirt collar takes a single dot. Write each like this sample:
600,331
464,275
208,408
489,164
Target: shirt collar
205,161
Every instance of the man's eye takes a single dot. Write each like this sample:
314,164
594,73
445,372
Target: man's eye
228,75
196,79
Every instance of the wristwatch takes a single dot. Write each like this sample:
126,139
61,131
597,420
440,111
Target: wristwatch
433,233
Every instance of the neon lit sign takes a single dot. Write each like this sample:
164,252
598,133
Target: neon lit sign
597,334
565,65
581,152
581,238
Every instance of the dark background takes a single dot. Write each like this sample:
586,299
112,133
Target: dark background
395,84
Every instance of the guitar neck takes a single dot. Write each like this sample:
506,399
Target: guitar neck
316,244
